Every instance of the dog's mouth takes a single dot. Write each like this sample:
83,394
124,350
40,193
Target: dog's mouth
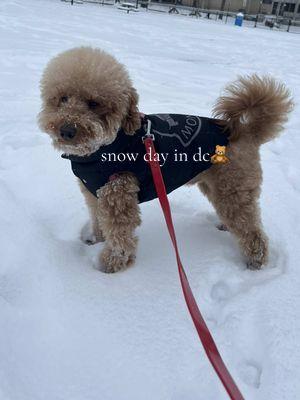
85,142
78,135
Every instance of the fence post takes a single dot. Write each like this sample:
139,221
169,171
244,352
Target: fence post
256,20
289,25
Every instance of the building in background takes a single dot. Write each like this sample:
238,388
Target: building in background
289,9
246,6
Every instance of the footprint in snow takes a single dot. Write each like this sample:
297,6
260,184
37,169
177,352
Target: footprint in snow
245,280
250,373
220,291
292,175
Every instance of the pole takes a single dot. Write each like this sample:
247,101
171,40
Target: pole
258,12
222,9
278,11
228,6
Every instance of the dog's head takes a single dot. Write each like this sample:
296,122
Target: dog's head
87,97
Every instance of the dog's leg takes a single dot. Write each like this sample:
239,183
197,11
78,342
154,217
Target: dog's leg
91,232
119,213
240,214
203,186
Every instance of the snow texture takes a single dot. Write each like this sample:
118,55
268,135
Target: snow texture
70,332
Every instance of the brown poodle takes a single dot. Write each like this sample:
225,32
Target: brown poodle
88,97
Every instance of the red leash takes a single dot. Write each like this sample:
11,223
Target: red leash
200,325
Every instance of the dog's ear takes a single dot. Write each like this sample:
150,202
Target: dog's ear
132,121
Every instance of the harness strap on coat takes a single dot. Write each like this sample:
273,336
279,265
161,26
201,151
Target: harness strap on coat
200,325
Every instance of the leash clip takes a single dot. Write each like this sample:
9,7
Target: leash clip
148,135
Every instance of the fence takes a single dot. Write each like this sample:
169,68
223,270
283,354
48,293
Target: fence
261,21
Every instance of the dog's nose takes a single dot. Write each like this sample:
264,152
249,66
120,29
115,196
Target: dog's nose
68,131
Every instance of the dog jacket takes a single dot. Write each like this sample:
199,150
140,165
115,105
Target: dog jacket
186,142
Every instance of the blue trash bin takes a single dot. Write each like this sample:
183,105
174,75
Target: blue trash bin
239,19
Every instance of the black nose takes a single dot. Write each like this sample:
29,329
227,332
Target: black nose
68,131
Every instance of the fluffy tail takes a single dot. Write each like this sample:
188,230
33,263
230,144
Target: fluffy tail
254,106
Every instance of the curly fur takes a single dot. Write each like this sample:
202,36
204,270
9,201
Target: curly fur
84,74
253,108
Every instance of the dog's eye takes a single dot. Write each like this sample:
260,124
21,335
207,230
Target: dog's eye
64,99
92,104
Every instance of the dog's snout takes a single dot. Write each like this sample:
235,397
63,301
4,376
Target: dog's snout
68,131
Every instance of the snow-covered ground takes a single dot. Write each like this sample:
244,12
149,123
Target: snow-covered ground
70,332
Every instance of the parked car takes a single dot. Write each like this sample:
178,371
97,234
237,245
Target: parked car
271,21
249,17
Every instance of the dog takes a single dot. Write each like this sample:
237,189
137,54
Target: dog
89,102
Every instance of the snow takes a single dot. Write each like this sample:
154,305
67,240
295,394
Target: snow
68,331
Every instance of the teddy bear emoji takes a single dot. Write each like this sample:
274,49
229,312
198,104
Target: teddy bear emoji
219,156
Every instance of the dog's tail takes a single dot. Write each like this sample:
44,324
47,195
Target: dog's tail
254,106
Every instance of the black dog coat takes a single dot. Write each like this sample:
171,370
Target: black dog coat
187,142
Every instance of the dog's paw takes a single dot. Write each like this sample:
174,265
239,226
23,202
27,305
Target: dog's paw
112,260
254,265
89,237
256,249
222,227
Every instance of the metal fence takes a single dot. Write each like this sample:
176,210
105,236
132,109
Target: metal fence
260,21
